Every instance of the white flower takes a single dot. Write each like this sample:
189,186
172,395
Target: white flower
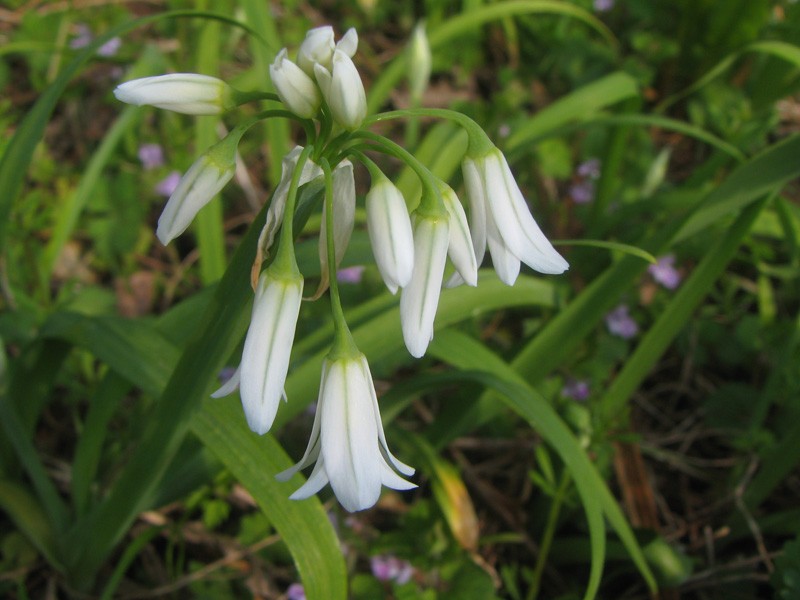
419,61
204,179
420,297
187,93
390,234
459,247
267,347
343,91
489,182
318,48
347,439
294,87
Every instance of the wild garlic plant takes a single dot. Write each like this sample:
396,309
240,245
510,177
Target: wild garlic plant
323,91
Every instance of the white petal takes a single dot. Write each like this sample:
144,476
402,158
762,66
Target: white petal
294,87
316,48
188,93
311,454
505,263
267,348
420,298
345,95
477,207
349,42
204,180
459,246
390,234
517,227
400,466
324,80
229,386
316,481
349,440
392,480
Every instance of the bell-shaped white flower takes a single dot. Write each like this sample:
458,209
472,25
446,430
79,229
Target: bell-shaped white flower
489,181
188,93
390,234
459,247
318,48
294,87
267,347
344,214
420,298
204,179
347,439
343,91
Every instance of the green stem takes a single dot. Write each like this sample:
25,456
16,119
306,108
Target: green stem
374,171
285,260
240,97
326,126
343,343
547,537
238,131
431,202
479,142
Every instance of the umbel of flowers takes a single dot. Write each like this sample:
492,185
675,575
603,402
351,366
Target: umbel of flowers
323,91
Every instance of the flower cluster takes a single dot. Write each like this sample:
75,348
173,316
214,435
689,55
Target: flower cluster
323,91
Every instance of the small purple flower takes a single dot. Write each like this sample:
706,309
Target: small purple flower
603,5
583,192
83,39
665,273
504,130
151,155
390,568
110,48
350,274
589,168
167,185
620,323
575,389
296,592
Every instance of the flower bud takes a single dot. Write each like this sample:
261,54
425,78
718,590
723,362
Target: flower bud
187,93
390,234
317,48
204,180
343,90
419,61
295,89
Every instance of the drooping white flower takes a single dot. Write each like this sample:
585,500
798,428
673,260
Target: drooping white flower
318,47
459,247
347,439
390,234
343,90
188,93
204,179
267,347
294,87
420,298
489,181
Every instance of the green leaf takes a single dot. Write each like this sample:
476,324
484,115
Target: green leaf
303,525
530,405
468,21
26,512
626,248
592,97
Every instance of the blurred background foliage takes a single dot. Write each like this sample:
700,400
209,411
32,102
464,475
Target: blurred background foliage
667,125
